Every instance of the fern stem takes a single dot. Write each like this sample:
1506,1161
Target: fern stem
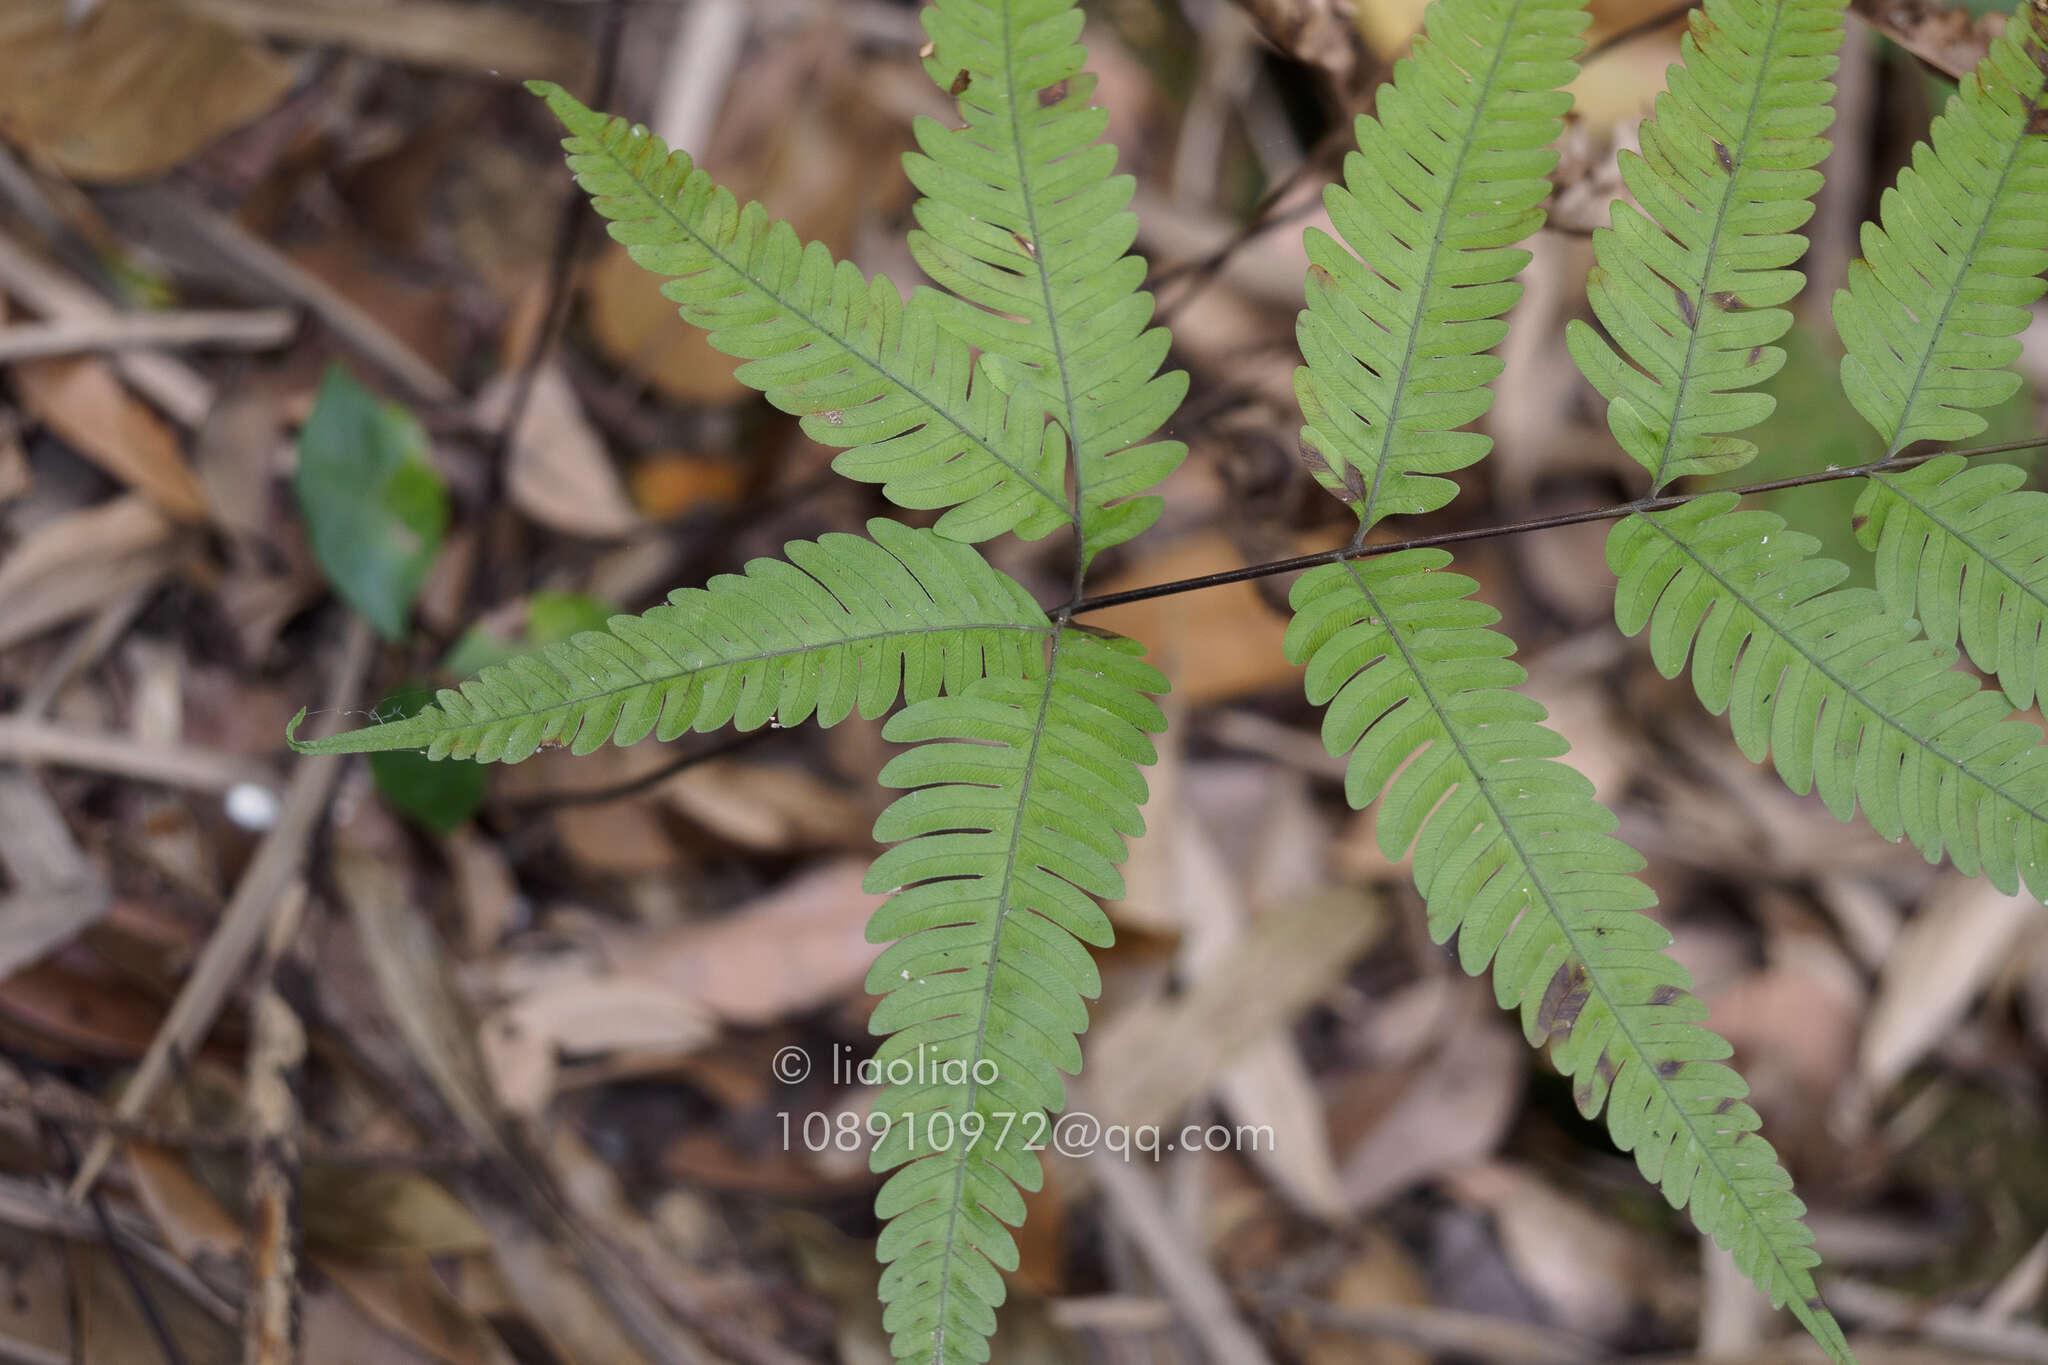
1615,512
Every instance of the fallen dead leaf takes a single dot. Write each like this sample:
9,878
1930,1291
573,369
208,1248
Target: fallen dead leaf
560,474
1948,952
1589,1269
131,91
82,401
802,946
583,1014
1215,645
670,485
407,1299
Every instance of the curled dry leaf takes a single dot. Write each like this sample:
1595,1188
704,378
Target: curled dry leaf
130,92
561,474
82,402
1328,34
584,1015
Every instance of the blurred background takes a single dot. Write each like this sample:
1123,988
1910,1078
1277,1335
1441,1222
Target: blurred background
319,386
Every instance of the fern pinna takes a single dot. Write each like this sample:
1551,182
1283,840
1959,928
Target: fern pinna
1023,394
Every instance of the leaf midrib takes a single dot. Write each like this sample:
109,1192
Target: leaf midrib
1437,251
1935,334
959,424
947,1246
591,698
1563,922
1737,159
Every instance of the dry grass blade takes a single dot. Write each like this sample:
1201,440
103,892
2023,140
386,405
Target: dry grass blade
34,741
480,38
252,329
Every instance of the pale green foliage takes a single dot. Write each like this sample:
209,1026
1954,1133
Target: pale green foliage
1025,790
1023,396
864,370
1688,287
1839,692
1965,549
1929,325
1512,853
1516,858
840,627
1931,317
1024,223
1444,184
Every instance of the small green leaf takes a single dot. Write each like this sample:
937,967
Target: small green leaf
551,617
374,505
439,796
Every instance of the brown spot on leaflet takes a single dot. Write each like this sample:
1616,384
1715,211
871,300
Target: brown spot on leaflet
1687,309
1052,94
960,84
1563,999
1669,1067
1721,155
1664,995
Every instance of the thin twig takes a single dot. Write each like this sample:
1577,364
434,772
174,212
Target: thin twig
175,765
251,329
271,874
124,1263
277,1051
1613,513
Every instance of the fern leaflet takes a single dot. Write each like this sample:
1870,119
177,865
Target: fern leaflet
842,626
1511,852
1025,790
1024,223
1445,182
1929,323
1931,316
1515,857
1688,286
865,371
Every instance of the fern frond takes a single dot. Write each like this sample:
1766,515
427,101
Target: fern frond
1446,181
1962,547
840,627
1688,287
1931,317
1515,857
1837,690
865,372
1930,323
1023,221
1025,790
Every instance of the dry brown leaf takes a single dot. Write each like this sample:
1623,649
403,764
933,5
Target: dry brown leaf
192,1221
1153,1059
482,38
667,485
1452,1114
333,1331
767,807
800,947
1380,1274
523,1043
560,474
132,91
82,401
1950,950
385,1212
1588,1269
407,1299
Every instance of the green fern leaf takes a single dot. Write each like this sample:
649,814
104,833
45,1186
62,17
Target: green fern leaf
1024,223
1962,547
1931,317
840,627
1835,689
1930,324
1025,790
1515,857
865,372
1688,287
1511,852
1444,184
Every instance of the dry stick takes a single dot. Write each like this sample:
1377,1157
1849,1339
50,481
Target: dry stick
23,740
256,900
167,382
1187,1279
1515,528
277,1049
253,329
